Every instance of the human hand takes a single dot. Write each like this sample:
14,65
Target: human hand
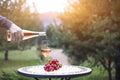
16,33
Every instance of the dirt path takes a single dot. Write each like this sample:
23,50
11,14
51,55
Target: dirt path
58,54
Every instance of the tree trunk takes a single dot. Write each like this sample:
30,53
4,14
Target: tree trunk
110,74
117,74
107,67
6,55
117,68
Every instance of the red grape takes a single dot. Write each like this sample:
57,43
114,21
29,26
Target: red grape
52,65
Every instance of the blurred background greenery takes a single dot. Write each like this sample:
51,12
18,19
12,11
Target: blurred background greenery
89,35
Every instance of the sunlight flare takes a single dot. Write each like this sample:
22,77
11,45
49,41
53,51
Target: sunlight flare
43,6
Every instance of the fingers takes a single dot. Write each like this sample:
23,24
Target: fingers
12,37
16,33
17,36
20,36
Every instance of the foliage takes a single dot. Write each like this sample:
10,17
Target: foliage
54,36
93,28
19,13
12,76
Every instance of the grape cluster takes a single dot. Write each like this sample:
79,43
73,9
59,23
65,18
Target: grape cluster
52,65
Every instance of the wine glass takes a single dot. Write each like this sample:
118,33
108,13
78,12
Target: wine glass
45,50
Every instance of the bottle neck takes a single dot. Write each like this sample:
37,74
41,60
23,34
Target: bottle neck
42,33
36,33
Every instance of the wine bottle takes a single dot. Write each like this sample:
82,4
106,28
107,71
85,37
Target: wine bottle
27,34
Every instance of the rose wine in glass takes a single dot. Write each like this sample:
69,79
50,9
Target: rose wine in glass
45,50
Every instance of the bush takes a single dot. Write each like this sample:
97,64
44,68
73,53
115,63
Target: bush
13,76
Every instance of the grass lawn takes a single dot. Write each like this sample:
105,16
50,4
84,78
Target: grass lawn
18,59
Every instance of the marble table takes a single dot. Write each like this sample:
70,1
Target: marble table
66,72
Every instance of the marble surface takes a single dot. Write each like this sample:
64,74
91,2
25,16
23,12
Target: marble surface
64,70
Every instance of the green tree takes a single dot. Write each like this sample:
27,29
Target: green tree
54,36
91,28
19,13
